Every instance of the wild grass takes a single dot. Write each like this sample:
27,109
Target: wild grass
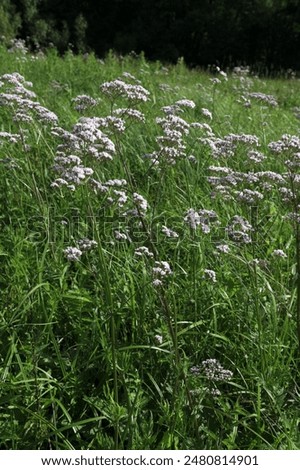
93,355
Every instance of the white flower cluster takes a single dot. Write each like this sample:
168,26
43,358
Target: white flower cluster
172,109
206,113
207,219
215,81
171,142
18,46
239,230
204,217
84,102
294,216
158,339
271,176
140,206
220,148
288,183
72,172
210,275
279,254
85,244
130,113
171,145
86,139
255,156
88,132
118,88
121,235
223,248
118,197
143,251
184,103
244,139
16,95
140,202
20,116
192,218
293,163
214,371
178,107
72,253
173,123
19,84
249,197
285,144
241,71
115,182
267,99
169,233
111,123
161,270
227,180
10,138
115,196
226,147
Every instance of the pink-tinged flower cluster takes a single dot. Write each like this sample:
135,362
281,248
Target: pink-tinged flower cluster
91,137
239,230
204,218
22,101
263,98
85,140
288,147
287,143
130,113
84,102
160,271
226,147
118,88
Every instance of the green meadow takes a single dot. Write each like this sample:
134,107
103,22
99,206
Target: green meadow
150,255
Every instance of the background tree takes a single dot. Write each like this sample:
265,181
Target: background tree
261,32
10,20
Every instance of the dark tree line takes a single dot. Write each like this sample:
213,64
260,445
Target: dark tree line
227,32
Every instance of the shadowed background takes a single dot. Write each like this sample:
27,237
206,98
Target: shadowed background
261,33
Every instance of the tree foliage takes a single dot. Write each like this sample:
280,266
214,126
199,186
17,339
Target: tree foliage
203,32
10,21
